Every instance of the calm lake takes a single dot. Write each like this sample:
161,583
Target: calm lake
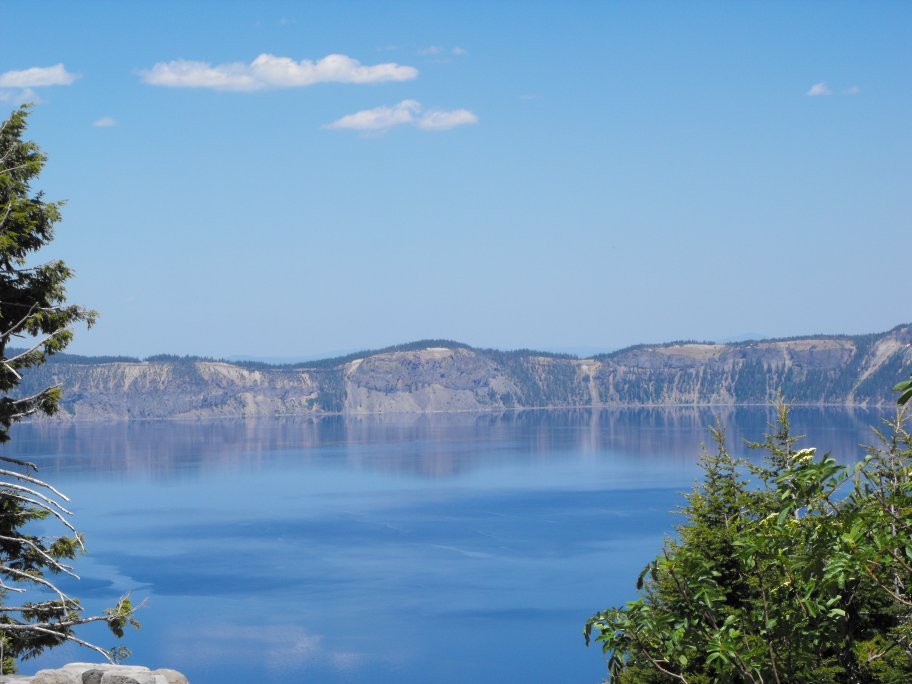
440,548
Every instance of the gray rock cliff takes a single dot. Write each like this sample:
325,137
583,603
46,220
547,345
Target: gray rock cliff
439,376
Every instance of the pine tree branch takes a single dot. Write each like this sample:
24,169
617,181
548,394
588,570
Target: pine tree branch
50,560
52,511
37,345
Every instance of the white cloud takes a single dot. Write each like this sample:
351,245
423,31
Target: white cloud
854,90
36,77
819,89
269,71
459,52
105,122
437,120
407,112
379,118
431,50
18,86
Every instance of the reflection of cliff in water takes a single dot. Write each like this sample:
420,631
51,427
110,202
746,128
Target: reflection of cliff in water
645,431
423,445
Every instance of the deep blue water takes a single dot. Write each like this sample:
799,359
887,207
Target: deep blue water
443,548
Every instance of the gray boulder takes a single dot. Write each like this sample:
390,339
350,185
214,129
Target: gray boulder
62,676
93,676
132,678
92,673
171,676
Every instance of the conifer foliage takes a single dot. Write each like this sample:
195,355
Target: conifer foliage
793,570
35,321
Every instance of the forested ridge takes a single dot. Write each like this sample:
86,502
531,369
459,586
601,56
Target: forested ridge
443,375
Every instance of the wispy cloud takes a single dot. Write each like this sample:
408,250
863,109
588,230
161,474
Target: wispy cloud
822,89
819,89
37,77
439,53
277,646
20,96
105,122
438,120
271,72
406,113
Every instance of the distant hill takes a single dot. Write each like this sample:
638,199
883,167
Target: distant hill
442,375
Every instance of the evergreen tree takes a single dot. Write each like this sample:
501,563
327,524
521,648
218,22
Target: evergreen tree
789,579
33,311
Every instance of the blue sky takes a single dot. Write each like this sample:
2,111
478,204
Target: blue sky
287,179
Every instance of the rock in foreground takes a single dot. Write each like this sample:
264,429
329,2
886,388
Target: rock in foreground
93,673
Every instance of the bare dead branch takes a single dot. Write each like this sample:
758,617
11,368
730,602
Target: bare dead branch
13,329
68,637
50,625
33,480
20,462
29,490
39,580
34,397
12,370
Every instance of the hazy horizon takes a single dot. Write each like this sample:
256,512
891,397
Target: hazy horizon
581,351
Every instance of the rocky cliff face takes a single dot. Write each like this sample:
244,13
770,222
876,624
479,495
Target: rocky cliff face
174,390
855,370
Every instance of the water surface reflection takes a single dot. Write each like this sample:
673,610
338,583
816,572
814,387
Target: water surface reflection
444,548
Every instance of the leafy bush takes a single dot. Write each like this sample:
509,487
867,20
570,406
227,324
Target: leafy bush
795,570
